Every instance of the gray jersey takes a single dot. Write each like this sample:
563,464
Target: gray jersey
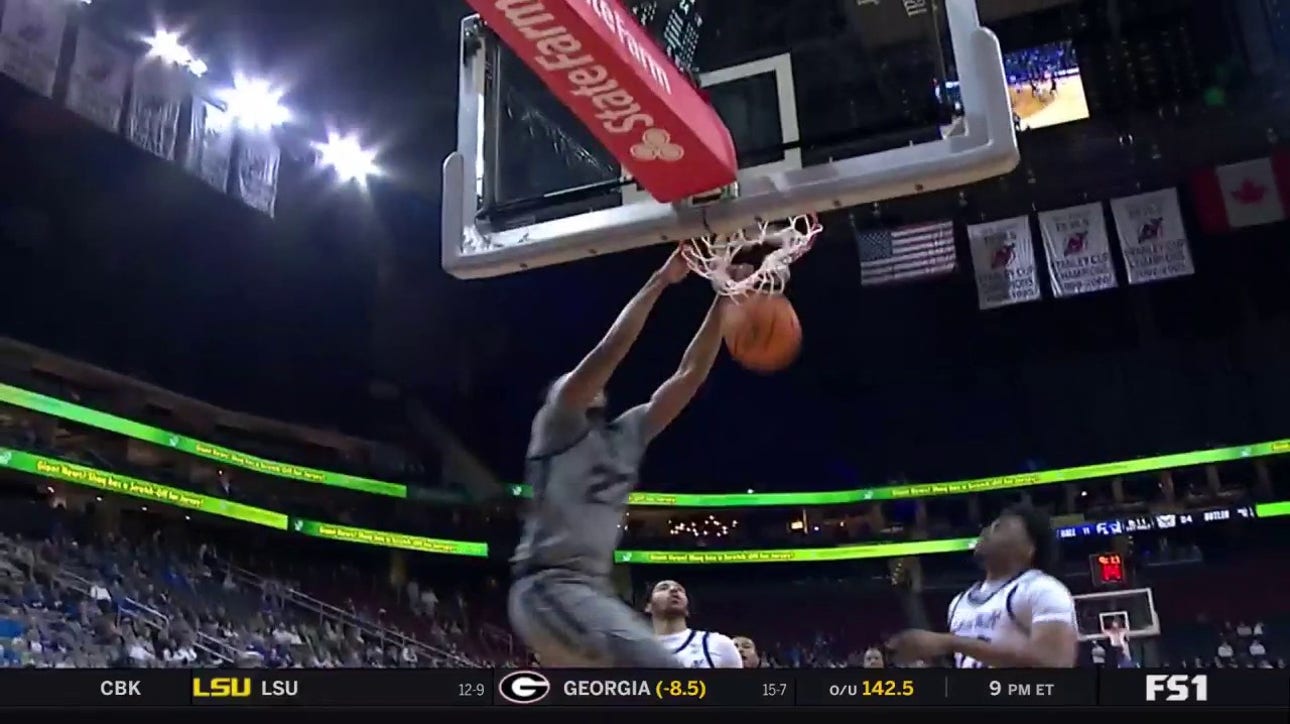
581,473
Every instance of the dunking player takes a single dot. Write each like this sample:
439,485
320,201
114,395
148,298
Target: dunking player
1018,616
669,609
581,466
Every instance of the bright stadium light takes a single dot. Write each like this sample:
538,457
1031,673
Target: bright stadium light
166,45
255,104
348,158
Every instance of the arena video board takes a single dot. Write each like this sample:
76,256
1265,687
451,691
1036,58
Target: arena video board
54,407
111,482
55,469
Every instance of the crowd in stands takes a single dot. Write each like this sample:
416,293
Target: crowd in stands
72,595
747,528
78,598
90,600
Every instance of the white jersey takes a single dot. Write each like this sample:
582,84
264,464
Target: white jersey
1005,611
703,650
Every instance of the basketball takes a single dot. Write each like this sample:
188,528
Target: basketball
762,333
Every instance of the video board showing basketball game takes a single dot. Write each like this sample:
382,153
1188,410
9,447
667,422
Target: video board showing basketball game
1046,87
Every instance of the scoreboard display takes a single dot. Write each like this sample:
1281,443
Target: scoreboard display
1107,569
675,24
1251,689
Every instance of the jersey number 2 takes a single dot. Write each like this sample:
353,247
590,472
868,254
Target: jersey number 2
605,485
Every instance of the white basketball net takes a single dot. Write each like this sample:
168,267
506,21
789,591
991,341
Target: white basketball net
711,256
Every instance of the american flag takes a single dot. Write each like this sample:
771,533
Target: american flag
909,252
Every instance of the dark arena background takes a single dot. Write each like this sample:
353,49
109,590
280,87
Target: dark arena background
251,430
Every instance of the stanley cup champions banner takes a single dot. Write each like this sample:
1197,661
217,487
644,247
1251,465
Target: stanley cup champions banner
31,40
1152,236
100,75
210,144
154,108
257,172
1079,255
1003,261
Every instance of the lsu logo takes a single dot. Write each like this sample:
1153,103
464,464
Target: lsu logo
221,687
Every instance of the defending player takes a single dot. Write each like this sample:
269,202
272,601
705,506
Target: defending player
1018,616
669,609
747,652
582,465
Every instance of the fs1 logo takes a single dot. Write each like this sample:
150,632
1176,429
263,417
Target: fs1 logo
524,687
221,687
1177,687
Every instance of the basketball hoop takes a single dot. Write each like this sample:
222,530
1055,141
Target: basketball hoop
711,255
1117,638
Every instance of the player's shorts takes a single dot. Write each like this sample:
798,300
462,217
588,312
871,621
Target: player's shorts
570,619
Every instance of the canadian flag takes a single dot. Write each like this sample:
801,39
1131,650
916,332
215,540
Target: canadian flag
1249,193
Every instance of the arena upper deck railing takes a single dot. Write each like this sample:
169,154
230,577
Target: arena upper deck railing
108,422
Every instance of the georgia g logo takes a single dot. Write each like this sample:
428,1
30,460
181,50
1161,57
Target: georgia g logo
524,687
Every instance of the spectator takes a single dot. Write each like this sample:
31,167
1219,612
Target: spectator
414,595
1224,651
873,658
138,650
1257,649
1243,630
99,593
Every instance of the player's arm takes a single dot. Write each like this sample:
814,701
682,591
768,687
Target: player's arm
1053,641
725,655
578,389
1052,645
673,395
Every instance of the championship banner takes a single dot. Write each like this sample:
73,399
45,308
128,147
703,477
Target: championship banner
210,144
257,172
1003,261
1152,236
100,75
155,105
1079,255
31,41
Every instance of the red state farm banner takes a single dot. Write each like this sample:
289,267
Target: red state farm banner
595,57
